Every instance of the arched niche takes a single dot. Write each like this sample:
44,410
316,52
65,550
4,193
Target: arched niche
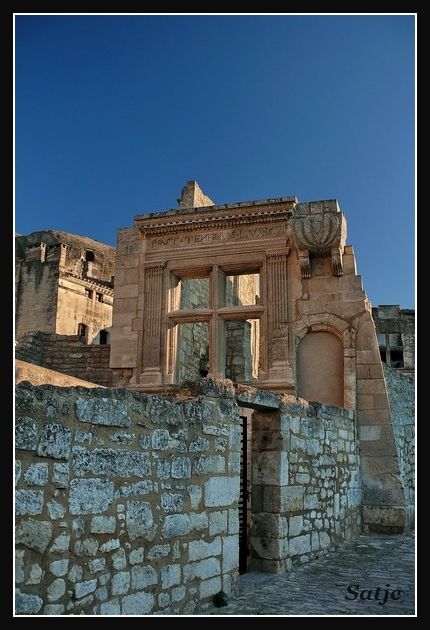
320,368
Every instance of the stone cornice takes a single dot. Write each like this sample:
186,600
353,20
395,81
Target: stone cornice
93,283
219,217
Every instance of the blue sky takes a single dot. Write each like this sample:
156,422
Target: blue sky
115,113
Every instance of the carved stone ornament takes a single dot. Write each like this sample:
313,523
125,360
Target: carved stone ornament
320,228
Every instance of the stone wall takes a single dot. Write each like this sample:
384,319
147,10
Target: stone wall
67,354
125,503
306,492
37,375
401,395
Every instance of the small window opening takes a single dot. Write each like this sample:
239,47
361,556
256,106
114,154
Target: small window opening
396,358
99,297
82,330
104,337
89,294
89,255
383,354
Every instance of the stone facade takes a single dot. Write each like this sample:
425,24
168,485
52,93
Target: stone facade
67,354
64,285
317,337
395,328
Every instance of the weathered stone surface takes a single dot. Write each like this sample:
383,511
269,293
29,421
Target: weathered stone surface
218,522
176,525
75,573
101,594
119,560
170,575
203,569
103,525
199,520
120,583
158,551
207,588
109,545
160,439
19,565
37,475
84,588
105,411
137,604
36,574
110,462
26,604
181,467
26,433
139,520
209,464
61,543
55,510
29,502
56,590
230,553
139,488
54,609
233,521
86,547
110,608
90,496
299,545
295,525
199,444
17,471
195,493
136,556
200,549
121,437
178,593
96,565
141,577
59,567
221,491
60,477
55,441
172,502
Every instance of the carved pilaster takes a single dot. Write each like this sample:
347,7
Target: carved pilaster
277,285
153,293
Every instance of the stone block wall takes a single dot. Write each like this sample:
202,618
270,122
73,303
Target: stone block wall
67,354
306,482
401,396
125,503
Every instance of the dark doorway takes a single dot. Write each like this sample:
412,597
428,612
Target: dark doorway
243,498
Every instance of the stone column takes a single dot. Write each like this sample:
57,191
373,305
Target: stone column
269,462
217,325
277,310
153,293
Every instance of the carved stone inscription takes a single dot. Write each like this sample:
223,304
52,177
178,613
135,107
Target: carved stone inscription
204,238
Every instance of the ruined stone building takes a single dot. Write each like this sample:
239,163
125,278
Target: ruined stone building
64,285
251,426
395,328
